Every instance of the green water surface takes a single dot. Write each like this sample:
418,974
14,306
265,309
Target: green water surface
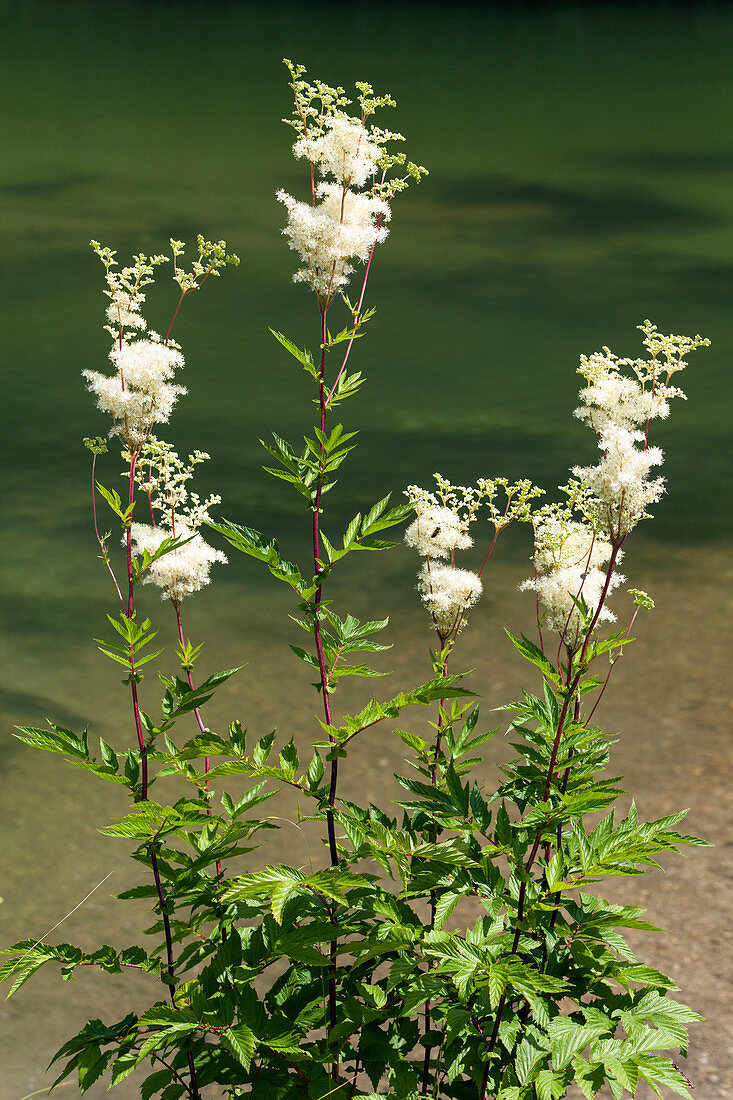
581,179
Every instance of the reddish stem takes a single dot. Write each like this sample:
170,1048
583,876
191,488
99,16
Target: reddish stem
330,824
611,564
490,551
130,614
173,320
569,694
199,719
613,663
359,304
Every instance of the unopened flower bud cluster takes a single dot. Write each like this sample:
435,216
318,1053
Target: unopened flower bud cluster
212,256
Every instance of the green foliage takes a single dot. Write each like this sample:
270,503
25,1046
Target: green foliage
135,639
360,974
255,545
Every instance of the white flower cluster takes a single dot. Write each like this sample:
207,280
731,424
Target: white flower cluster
437,532
613,398
343,150
340,228
124,311
140,393
439,529
619,489
185,569
179,572
170,552
342,224
620,400
441,520
568,560
447,593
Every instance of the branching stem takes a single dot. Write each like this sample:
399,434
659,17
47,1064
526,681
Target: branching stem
130,613
569,695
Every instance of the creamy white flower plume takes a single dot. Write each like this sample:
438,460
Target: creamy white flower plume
568,559
346,223
134,411
340,228
145,364
447,594
140,394
442,518
179,572
620,401
618,491
344,150
437,532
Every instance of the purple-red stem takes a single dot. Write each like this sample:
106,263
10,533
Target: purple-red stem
199,719
569,694
317,603
434,781
129,612
490,551
330,824
342,368
608,674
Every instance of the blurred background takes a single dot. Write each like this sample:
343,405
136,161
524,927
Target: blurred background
581,171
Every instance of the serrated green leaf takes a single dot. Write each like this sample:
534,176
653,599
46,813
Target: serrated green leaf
532,653
241,1042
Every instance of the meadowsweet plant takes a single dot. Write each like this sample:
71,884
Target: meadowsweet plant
543,991
452,944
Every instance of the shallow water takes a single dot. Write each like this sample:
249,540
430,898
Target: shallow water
580,181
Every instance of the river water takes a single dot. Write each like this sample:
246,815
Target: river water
581,171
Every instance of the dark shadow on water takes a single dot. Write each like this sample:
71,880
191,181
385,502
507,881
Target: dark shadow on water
553,209
33,709
52,186
650,277
667,160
